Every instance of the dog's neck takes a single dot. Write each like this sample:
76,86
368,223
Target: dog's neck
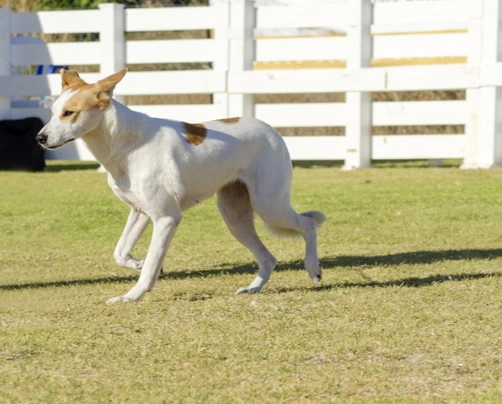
118,129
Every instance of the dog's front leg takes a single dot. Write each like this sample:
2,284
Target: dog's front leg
163,232
134,228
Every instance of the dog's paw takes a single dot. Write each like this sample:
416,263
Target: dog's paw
135,264
118,299
315,272
130,262
248,290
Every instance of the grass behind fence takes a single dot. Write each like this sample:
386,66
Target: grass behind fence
408,311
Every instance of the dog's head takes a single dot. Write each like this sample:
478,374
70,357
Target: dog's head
79,108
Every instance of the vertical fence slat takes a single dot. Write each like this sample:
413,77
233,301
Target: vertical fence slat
221,99
242,52
112,39
5,112
490,134
359,49
473,95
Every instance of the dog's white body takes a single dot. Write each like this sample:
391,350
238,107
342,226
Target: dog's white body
160,168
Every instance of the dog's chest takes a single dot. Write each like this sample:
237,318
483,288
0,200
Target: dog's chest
127,196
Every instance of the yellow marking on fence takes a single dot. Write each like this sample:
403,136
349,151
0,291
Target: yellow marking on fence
340,64
419,61
300,64
291,36
445,31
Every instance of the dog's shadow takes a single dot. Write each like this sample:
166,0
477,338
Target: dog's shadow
329,263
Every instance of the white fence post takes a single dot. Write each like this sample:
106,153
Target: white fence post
359,51
5,112
473,95
221,99
112,39
242,52
490,135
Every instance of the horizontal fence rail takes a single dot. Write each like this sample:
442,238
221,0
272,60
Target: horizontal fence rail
229,53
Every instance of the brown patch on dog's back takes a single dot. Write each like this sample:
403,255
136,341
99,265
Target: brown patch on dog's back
230,120
195,133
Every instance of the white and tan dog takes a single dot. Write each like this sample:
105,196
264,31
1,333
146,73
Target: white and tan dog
161,168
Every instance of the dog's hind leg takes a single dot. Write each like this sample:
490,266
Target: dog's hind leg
287,222
235,207
134,228
164,228
270,198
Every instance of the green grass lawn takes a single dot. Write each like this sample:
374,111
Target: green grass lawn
409,310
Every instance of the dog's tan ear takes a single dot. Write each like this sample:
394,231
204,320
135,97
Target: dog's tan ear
106,86
70,78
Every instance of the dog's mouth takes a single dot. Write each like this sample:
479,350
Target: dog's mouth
58,145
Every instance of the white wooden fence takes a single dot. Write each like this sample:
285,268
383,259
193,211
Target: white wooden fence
258,49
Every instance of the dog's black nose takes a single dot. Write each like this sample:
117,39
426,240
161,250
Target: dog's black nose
41,138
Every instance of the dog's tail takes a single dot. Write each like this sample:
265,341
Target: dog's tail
319,217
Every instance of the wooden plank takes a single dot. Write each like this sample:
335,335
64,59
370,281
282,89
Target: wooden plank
303,16
491,75
302,114
326,48
419,113
306,81
173,82
25,86
442,60
339,64
266,82
66,53
299,64
414,12
316,147
56,22
388,50
410,147
408,113
419,46
444,27
175,51
188,113
431,78
174,19
375,79
135,83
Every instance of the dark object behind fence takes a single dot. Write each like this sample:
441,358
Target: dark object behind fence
18,147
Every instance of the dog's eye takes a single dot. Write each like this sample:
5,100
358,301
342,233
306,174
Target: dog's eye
67,113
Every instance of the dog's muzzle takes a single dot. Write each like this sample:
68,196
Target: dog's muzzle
42,138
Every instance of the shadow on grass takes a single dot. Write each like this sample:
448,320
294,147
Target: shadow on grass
410,258
413,258
412,282
56,166
74,282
